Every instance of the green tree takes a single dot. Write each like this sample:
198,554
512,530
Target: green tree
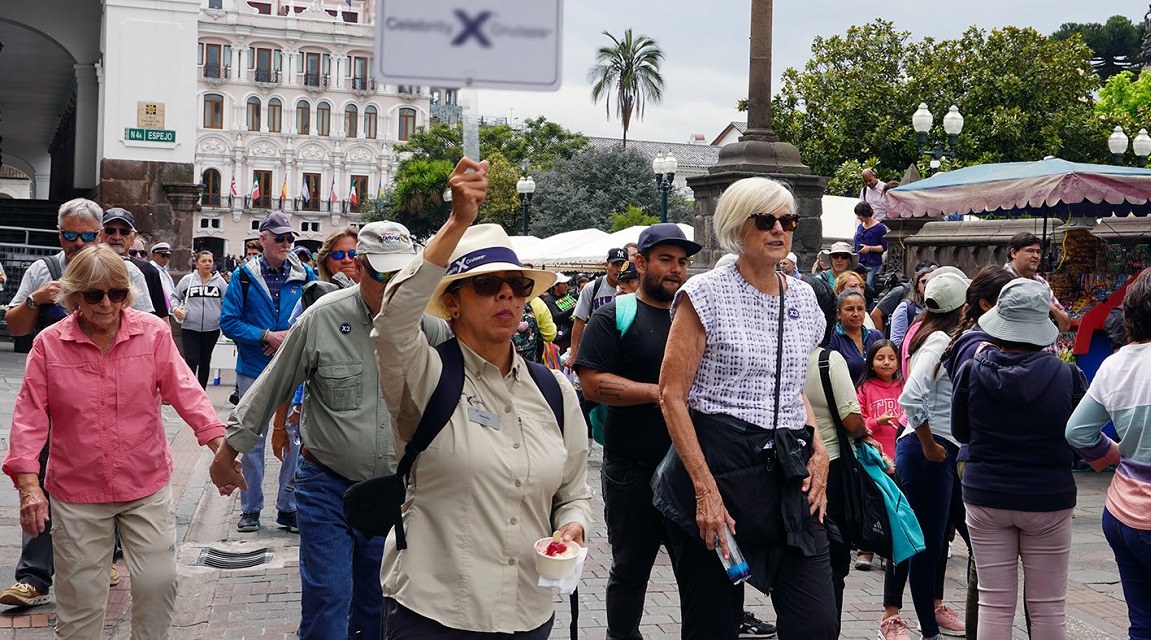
418,195
502,205
1126,100
538,144
629,69
631,217
1023,96
1114,44
584,191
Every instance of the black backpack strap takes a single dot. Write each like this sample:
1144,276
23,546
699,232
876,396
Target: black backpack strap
546,381
832,406
44,313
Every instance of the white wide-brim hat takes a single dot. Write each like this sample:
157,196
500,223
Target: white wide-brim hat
1022,314
840,247
485,248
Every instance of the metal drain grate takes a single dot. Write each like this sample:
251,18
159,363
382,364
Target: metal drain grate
221,559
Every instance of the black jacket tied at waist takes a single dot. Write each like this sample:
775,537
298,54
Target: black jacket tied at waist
760,475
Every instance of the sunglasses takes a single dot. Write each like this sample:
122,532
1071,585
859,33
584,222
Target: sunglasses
766,221
490,285
96,297
121,231
137,253
86,236
289,238
339,255
382,278
163,254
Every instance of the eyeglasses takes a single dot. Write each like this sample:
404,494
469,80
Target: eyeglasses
490,285
137,253
382,278
122,231
96,297
766,221
86,236
339,255
287,237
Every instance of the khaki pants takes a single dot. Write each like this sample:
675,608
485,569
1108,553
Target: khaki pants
83,536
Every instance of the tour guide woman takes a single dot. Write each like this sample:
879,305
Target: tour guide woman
501,474
101,374
731,389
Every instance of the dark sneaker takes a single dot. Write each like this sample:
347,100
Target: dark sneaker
249,522
287,519
752,627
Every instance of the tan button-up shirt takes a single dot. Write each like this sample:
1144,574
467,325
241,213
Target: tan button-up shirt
482,494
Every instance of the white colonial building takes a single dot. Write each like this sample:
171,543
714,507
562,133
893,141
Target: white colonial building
289,112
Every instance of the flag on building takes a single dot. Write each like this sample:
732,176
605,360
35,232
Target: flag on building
380,189
304,191
353,197
284,191
333,197
255,190
234,192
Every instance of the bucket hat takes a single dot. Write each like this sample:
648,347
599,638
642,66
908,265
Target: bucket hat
840,247
1022,314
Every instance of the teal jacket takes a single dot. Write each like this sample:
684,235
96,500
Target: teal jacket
906,536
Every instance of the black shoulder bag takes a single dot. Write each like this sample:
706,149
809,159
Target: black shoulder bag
865,525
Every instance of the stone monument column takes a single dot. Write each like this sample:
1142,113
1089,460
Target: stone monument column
760,152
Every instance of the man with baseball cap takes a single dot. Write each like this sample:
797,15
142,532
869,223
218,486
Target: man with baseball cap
256,315
595,294
118,231
345,433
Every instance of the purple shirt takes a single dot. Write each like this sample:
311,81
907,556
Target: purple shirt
872,237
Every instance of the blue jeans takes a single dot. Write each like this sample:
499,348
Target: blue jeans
339,567
252,464
1132,549
933,491
871,273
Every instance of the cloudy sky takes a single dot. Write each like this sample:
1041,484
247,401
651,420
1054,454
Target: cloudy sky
705,43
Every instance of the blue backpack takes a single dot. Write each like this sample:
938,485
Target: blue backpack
625,307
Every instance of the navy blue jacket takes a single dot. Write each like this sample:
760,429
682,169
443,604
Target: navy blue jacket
1013,417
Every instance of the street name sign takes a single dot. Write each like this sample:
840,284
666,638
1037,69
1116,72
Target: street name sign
490,44
150,135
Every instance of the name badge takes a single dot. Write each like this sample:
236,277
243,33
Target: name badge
485,418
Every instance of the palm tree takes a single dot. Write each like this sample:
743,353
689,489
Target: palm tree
629,69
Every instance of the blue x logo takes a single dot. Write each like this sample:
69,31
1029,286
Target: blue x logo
471,28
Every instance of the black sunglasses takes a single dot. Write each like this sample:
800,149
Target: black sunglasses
163,254
86,236
339,255
96,297
490,285
766,221
122,231
137,253
285,238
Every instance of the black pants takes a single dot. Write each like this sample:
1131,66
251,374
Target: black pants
839,546
198,346
711,606
401,623
35,566
635,532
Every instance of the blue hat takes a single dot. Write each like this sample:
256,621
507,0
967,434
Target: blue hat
667,233
628,272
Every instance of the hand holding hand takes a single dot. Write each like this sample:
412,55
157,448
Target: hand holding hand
225,472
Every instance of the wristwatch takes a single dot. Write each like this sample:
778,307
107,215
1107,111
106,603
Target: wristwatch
30,303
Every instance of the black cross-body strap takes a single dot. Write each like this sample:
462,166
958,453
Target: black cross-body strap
778,355
440,406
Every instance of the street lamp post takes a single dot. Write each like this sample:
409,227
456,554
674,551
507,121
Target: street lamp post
1117,144
526,186
664,168
922,120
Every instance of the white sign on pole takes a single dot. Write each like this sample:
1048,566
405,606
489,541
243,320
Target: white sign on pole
490,44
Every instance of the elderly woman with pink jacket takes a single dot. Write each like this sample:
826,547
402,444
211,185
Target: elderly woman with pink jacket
93,387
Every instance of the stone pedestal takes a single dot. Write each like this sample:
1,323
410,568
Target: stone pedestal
162,196
900,258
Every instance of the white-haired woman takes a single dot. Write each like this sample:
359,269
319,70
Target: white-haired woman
745,459
101,374
502,473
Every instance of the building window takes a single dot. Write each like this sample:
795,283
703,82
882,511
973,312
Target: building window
316,68
360,187
274,114
211,223
303,118
211,181
262,8
324,119
370,122
215,4
309,227
213,111
254,225
360,68
267,65
213,61
351,118
407,124
263,199
312,186
253,114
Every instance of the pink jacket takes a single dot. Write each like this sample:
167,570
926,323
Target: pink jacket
875,399
107,441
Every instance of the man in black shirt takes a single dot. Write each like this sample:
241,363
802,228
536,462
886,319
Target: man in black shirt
622,372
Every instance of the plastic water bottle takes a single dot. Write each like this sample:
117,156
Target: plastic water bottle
735,564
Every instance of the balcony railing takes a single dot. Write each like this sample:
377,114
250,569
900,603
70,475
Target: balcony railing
216,72
446,113
316,80
267,76
364,84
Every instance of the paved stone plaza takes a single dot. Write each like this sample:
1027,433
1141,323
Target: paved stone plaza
264,602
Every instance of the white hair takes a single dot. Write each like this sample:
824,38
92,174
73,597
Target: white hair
79,208
742,199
